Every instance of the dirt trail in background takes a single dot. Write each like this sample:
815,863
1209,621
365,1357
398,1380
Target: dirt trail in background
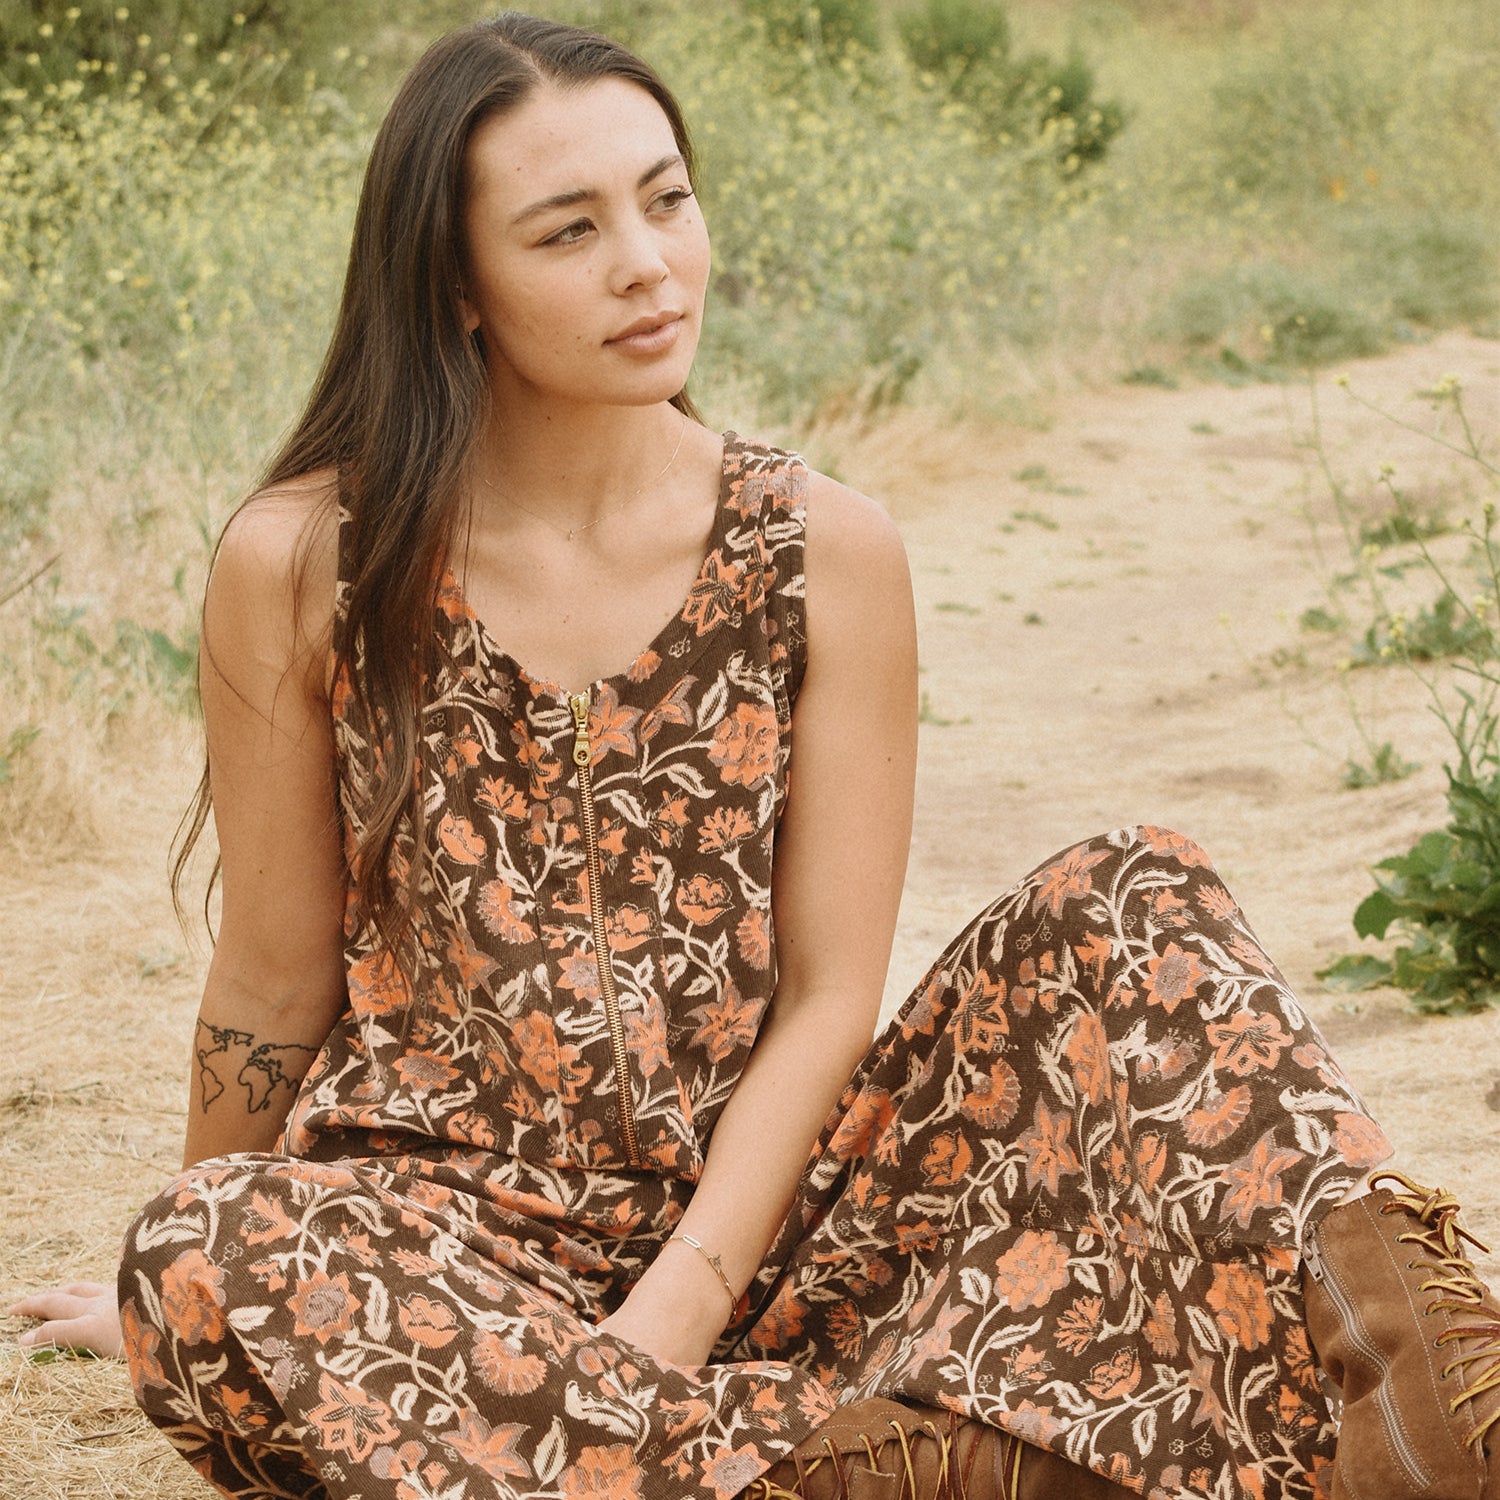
1072,588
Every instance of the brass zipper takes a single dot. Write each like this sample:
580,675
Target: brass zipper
582,759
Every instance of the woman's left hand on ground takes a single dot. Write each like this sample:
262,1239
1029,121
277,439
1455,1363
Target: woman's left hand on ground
81,1315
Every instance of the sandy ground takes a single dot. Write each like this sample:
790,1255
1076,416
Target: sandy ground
1108,606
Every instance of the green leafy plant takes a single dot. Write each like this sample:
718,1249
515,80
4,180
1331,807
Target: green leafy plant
1440,900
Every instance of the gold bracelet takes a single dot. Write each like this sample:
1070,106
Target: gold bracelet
714,1261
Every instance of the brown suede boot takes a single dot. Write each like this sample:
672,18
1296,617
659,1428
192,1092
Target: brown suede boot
882,1450
1400,1321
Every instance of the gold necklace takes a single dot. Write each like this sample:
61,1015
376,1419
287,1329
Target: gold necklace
572,531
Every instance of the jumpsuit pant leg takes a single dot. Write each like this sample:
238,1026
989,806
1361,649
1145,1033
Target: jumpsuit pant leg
1068,1190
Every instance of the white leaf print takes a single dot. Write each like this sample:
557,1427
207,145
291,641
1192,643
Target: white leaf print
975,1284
243,1319
613,1416
712,706
1143,1429
551,1452
377,1310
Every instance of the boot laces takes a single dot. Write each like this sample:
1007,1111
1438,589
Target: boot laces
1457,1289
950,1482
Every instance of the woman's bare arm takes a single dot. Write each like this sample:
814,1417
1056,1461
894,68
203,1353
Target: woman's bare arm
841,856
275,983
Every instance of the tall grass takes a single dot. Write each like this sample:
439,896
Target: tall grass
1290,183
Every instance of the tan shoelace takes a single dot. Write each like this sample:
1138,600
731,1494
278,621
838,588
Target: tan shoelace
1458,1290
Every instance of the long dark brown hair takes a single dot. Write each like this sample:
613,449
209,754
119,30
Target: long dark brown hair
400,402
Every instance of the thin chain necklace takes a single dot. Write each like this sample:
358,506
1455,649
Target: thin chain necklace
569,532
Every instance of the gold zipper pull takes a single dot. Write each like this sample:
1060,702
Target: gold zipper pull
579,703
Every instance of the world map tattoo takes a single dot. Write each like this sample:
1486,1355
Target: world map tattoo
225,1056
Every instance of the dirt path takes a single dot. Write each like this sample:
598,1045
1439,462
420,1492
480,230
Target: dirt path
1073,589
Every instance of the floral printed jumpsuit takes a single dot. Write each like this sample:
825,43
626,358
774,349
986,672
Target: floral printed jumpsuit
1064,1193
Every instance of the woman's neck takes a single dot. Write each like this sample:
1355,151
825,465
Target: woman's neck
571,469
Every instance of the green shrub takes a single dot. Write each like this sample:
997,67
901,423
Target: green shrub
966,44
828,26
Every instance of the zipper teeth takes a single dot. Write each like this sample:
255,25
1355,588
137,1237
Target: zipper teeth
1395,1428
579,703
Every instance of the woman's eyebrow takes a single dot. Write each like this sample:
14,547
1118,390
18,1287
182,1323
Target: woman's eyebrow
588,195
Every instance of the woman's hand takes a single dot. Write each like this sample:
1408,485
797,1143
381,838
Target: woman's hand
81,1315
675,1312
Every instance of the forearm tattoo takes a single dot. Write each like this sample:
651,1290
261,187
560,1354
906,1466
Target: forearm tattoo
269,1072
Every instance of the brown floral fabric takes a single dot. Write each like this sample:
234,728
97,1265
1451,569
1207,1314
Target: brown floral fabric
1064,1194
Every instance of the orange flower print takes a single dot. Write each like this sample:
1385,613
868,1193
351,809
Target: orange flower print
602,1474
646,1036
543,770
913,1239
1255,1179
715,594
1067,880
669,819
994,1100
627,927
1240,1305
323,1306
725,1025
948,1159
723,829
752,938
1032,1270
505,1368
377,986
1218,1117
1174,975
501,797
266,1221
1359,1140
744,745
782,1321
497,910
192,1304
846,1327
1048,1148
492,1449
425,1070
675,708
554,1066
142,1342
1114,1377
428,1323
730,1471
459,838
1175,846
1150,1161
462,749
472,965
1088,1052
702,900
349,1421
1079,1325
1094,952
864,1122
644,666
979,1020
611,725
578,972
1161,1328
1298,1357
1247,1042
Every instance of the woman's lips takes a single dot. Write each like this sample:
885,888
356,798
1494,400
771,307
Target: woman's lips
650,335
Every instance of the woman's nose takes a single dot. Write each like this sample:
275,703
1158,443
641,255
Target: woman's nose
640,261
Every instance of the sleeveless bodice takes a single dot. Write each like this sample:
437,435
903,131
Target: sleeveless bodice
593,948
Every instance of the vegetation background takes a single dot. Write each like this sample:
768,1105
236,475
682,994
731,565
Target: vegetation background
966,255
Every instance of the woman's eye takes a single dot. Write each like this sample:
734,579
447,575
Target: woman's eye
674,197
570,234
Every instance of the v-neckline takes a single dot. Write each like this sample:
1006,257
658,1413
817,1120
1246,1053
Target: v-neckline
493,650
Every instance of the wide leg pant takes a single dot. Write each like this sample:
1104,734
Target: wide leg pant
1065,1194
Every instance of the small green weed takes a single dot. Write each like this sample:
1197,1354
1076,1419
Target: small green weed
1386,764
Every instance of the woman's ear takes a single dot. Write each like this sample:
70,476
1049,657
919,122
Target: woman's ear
467,312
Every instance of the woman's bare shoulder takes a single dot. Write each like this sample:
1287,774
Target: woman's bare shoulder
276,565
850,536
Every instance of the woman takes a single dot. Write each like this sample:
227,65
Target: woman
523,1154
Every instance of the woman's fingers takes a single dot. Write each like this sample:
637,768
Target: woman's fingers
81,1315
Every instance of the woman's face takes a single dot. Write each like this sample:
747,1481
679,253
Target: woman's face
586,256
